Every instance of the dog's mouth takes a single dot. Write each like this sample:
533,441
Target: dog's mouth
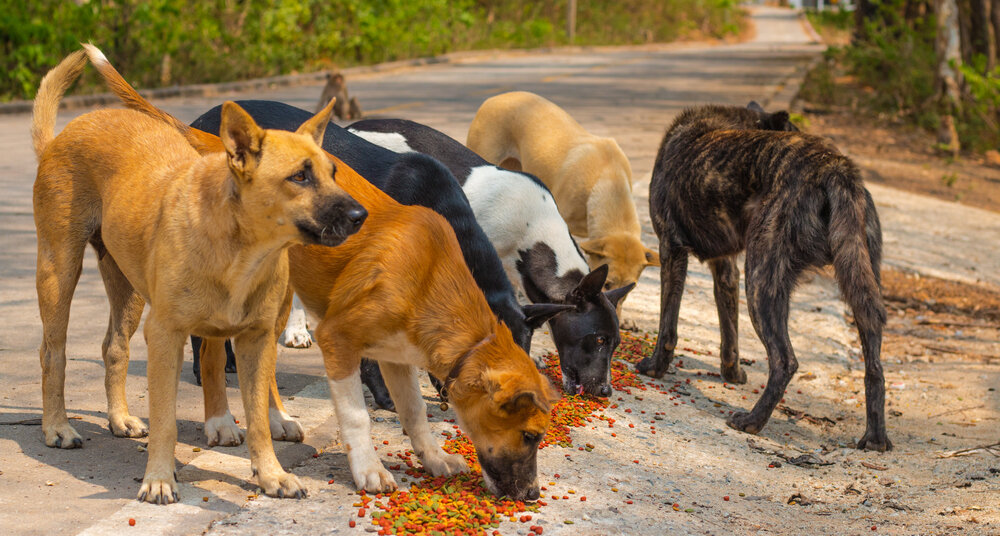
573,386
344,224
516,481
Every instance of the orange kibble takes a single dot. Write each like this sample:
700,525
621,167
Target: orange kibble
131,522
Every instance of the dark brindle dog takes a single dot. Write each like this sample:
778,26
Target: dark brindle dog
728,179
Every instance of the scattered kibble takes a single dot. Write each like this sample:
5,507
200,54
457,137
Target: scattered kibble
131,522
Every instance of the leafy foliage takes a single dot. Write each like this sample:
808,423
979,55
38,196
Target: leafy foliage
163,42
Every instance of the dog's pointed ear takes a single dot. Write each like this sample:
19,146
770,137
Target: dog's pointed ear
652,258
593,247
316,125
590,286
536,314
783,121
753,106
525,400
241,137
617,295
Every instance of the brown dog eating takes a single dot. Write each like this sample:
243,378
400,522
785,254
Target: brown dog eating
202,239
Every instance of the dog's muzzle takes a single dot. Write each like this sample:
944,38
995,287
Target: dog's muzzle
333,222
507,477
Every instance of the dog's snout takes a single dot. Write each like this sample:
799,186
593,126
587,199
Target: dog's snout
532,494
356,216
604,391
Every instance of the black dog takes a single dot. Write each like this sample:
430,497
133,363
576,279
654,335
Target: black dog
519,216
728,179
412,179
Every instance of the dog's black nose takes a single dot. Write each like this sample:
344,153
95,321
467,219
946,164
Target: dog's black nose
605,390
356,216
532,494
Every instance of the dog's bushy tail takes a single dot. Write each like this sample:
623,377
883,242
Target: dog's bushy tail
50,92
856,244
202,142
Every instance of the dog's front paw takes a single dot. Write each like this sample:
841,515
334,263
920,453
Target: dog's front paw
650,366
743,422
444,464
735,375
374,479
284,427
62,436
127,426
877,441
296,338
223,431
281,485
159,490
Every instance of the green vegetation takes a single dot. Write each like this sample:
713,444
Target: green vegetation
166,42
889,69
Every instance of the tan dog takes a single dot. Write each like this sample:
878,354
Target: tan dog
399,291
201,239
589,176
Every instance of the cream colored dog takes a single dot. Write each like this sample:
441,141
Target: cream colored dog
589,176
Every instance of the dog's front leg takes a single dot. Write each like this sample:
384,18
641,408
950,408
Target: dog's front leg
220,425
355,431
255,356
405,390
166,351
673,271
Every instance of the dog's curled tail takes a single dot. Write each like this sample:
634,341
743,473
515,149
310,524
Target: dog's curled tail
50,92
202,142
856,244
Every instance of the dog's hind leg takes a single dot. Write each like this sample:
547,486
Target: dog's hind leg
405,389
371,376
770,278
60,261
126,310
220,425
726,279
673,272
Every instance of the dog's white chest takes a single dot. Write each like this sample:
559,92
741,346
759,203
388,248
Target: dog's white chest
396,348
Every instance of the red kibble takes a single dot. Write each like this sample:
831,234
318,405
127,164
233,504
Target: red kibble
556,475
315,455
874,527
361,512
628,502
131,522
726,498
329,481
583,499
385,442
351,524
237,421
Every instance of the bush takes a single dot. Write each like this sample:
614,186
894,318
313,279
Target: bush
163,42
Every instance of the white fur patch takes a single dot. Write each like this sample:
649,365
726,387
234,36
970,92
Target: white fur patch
296,334
223,430
516,213
393,141
95,54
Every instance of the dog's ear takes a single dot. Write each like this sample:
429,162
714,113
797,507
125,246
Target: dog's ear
593,247
782,121
524,400
591,285
536,314
241,137
316,125
652,258
753,106
618,294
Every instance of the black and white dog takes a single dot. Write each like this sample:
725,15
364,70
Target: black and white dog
413,179
520,217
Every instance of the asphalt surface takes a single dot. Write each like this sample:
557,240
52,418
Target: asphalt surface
628,93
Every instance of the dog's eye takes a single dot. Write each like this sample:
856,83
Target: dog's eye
601,341
531,438
300,178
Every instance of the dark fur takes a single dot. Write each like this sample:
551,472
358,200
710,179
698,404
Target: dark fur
412,179
722,184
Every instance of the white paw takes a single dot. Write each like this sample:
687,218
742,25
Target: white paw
127,426
284,427
444,464
159,490
374,479
223,430
296,334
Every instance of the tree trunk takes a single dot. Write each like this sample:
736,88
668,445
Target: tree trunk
864,12
995,19
948,46
981,36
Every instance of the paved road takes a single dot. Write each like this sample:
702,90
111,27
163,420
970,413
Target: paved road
628,93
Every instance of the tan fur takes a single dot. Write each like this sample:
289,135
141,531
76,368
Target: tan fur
403,272
589,176
202,239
